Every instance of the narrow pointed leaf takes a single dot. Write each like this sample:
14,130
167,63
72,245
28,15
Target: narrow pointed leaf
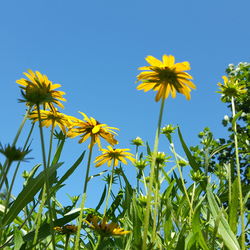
190,157
224,229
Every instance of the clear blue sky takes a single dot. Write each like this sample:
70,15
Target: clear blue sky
93,49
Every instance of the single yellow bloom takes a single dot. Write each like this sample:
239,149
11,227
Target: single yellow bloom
231,88
89,127
166,77
38,89
104,229
53,118
111,154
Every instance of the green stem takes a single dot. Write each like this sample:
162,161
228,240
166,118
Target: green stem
15,172
109,189
5,169
100,239
144,181
156,198
46,177
77,240
182,179
239,179
21,126
152,175
37,221
137,170
66,242
50,143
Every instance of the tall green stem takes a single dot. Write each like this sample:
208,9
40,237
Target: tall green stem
47,184
21,126
100,239
51,142
77,240
239,179
109,189
137,170
152,175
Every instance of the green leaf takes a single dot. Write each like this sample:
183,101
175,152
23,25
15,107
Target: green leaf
224,229
190,157
196,225
218,149
233,206
115,204
70,170
235,118
27,194
18,239
102,198
148,149
58,153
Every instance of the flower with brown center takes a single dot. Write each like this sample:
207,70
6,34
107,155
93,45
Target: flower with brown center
166,77
113,155
91,128
103,228
52,118
38,89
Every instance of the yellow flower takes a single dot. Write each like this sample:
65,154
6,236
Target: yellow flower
89,127
166,77
52,117
231,88
38,89
67,229
109,155
104,229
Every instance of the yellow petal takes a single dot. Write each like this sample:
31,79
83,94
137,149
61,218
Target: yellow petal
153,61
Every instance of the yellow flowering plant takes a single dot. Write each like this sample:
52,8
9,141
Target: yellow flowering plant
196,201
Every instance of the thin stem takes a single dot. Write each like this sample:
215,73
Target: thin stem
239,179
109,189
156,198
66,242
192,201
16,170
137,170
77,239
182,179
100,239
38,218
152,175
46,177
144,181
50,143
21,126
5,169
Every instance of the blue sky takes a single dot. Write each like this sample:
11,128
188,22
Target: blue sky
93,49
